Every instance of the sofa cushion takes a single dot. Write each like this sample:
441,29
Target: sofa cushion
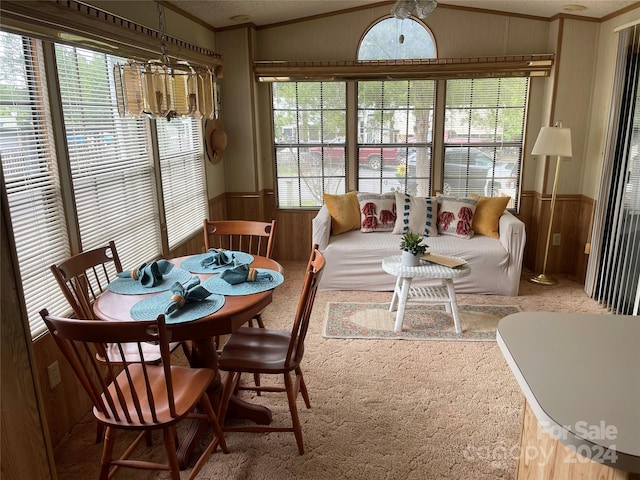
377,212
486,218
344,210
455,216
415,214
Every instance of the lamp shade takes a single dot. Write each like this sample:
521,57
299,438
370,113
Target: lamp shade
553,141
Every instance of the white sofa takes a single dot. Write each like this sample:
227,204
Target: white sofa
354,259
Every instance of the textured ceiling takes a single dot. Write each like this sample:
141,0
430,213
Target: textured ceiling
224,13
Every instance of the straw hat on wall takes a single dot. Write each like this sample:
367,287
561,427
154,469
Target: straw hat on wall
215,140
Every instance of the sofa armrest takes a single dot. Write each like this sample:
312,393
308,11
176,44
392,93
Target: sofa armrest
321,228
513,238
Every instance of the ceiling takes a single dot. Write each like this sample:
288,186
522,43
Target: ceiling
225,13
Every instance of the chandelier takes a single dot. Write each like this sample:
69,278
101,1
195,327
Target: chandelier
164,89
403,9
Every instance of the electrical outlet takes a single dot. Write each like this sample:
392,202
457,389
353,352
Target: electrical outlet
54,374
556,239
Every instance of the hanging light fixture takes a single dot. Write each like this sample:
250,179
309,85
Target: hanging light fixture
164,89
403,9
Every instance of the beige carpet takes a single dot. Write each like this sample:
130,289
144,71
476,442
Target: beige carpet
381,409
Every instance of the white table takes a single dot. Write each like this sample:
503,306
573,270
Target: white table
404,292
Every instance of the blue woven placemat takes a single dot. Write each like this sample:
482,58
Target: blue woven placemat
193,263
151,307
217,285
129,286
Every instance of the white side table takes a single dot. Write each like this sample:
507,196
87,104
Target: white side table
404,292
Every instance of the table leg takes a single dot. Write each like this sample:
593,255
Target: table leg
396,292
204,354
454,305
402,303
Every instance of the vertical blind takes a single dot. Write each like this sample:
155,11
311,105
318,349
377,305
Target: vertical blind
614,264
31,175
184,186
110,158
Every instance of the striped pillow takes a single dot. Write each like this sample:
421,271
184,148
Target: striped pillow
416,214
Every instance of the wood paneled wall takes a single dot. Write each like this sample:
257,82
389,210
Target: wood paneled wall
572,220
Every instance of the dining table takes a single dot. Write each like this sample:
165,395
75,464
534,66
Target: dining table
236,311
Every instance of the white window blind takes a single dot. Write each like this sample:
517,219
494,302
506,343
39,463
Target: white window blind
110,157
30,174
309,120
184,186
395,128
484,127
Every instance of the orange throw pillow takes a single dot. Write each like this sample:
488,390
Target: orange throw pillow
486,219
344,210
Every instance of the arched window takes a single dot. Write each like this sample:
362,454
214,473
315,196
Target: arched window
394,39
395,117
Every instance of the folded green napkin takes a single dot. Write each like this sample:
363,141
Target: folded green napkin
217,258
242,273
148,274
183,294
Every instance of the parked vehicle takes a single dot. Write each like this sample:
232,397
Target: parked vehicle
470,170
373,157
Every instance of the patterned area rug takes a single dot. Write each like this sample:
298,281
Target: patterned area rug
421,321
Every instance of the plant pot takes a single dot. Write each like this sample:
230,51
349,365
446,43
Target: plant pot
410,260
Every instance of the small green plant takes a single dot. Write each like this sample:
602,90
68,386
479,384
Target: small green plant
412,242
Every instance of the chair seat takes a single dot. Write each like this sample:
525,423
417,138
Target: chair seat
188,385
257,350
150,352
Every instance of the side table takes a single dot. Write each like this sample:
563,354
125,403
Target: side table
404,292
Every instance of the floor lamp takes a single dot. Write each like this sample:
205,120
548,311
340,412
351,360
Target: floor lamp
551,141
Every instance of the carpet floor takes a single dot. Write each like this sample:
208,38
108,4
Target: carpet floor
381,409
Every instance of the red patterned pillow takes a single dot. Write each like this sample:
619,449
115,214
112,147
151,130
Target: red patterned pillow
377,211
455,216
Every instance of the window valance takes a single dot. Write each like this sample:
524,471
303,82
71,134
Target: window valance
430,69
80,24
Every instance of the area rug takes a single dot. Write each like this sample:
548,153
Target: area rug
421,321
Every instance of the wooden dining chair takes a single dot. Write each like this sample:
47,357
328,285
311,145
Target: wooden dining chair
256,238
141,396
82,278
273,352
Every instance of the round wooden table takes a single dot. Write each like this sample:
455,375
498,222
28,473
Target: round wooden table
236,311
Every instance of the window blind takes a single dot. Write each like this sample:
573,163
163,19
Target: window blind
309,121
184,186
31,176
484,129
110,158
395,131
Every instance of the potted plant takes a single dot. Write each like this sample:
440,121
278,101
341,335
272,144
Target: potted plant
412,248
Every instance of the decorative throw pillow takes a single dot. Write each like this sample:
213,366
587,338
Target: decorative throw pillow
486,218
416,214
455,216
344,210
377,212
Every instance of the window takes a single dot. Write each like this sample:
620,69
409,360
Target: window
110,157
182,169
309,124
31,175
107,177
393,39
484,128
395,121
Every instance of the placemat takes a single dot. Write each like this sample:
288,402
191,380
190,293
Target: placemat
129,286
217,285
151,307
193,263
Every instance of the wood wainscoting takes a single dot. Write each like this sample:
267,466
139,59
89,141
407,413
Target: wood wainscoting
572,219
